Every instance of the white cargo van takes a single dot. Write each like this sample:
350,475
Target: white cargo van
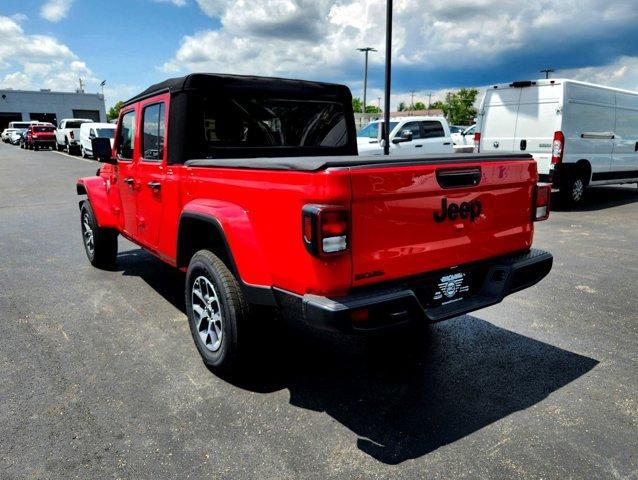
580,134
89,131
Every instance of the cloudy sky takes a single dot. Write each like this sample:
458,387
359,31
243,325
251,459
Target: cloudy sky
437,44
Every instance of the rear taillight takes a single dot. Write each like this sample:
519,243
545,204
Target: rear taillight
557,148
542,196
477,142
325,229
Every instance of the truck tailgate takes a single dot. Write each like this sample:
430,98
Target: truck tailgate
399,227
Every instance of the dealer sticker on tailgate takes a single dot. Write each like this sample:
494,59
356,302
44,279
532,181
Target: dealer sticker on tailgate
452,288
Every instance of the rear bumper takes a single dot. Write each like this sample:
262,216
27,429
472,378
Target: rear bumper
399,303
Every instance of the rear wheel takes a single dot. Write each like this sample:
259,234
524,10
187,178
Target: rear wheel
100,244
572,188
217,312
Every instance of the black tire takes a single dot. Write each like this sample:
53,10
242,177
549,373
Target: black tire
572,188
231,352
104,251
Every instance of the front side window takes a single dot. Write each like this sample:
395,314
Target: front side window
125,139
432,129
153,132
105,132
414,128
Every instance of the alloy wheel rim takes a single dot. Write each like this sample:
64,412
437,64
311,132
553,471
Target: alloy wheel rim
207,311
87,233
577,191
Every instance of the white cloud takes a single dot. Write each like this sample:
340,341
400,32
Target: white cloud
623,73
177,3
318,38
55,10
39,61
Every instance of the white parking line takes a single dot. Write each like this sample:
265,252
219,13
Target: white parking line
74,157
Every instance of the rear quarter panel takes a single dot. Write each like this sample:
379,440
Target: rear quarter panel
260,212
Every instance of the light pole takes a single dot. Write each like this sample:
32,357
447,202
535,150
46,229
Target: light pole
388,76
365,50
547,71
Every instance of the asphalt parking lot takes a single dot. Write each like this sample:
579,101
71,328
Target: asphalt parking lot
99,377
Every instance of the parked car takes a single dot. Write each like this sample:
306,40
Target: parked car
579,133
15,136
6,133
68,134
408,136
222,190
464,141
40,135
89,131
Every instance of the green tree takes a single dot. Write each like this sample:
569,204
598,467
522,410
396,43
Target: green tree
438,105
459,106
419,106
114,111
372,109
401,107
357,105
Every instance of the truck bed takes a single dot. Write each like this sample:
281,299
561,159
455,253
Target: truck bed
313,164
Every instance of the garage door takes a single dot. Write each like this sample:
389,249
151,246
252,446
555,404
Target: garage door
6,117
90,114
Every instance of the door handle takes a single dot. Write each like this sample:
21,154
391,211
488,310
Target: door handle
446,143
154,185
523,144
418,146
129,181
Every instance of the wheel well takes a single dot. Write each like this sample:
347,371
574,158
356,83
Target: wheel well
81,189
584,167
197,232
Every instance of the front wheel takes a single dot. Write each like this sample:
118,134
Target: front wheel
217,312
100,243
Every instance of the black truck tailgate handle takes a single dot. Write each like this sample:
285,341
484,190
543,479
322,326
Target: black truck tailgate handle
459,177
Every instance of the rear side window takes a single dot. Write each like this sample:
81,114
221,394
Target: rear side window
414,128
153,132
369,131
432,129
126,136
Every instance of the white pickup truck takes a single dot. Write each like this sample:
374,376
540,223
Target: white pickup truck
67,136
408,136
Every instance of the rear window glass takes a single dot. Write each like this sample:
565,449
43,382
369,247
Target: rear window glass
105,132
251,122
74,124
42,129
20,125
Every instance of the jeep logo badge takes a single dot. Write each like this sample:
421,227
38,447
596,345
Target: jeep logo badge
471,210
496,144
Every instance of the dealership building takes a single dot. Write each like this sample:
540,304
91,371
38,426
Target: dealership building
48,106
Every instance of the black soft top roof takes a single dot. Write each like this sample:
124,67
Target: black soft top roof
196,81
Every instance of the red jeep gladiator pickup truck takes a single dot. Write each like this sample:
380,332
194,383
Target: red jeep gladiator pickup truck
253,187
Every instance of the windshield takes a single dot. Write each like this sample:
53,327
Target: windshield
255,122
105,132
372,129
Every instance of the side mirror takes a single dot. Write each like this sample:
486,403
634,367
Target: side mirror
101,147
404,136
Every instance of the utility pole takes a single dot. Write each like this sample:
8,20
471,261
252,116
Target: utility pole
429,100
81,89
102,87
388,76
547,71
365,50
379,102
412,92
